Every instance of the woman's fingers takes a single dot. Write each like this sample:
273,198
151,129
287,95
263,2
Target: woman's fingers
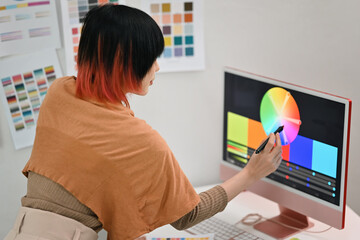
270,144
277,148
277,140
278,157
278,161
277,151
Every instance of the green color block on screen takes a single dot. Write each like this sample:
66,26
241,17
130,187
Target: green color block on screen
237,128
243,155
241,147
241,159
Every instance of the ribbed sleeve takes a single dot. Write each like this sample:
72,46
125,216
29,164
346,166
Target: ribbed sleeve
212,201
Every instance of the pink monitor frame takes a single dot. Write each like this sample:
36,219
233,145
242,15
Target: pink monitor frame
301,203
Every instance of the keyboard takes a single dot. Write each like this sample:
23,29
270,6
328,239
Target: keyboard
222,230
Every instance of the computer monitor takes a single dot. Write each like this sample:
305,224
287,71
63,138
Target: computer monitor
311,179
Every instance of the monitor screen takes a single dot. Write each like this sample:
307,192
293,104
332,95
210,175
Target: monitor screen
314,138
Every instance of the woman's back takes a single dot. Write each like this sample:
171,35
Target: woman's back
111,161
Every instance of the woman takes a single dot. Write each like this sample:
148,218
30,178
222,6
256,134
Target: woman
95,165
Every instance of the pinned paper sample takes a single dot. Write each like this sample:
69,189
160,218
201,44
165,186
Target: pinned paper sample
24,83
182,25
73,14
28,25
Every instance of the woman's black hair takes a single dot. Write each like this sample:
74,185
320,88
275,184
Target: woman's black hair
114,28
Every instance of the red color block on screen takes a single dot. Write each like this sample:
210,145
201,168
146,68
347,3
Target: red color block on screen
286,152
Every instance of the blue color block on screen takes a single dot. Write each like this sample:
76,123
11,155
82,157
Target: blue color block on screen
301,151
324,158
167,52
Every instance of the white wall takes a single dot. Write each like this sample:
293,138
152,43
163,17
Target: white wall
311,43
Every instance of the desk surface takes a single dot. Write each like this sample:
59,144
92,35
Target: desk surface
247,202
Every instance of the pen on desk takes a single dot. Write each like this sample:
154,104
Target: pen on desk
262,146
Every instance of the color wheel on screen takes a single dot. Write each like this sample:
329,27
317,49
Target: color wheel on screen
279,108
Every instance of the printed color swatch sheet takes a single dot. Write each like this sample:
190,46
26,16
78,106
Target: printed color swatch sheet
181,23
24,83
27,25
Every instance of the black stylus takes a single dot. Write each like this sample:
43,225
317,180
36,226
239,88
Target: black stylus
262,146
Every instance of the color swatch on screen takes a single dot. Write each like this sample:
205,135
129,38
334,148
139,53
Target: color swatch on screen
244,135
279,108
176,20
24,94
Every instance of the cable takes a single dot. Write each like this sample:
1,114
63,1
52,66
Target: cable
250,222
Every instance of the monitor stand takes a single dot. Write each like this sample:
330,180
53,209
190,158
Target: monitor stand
288,217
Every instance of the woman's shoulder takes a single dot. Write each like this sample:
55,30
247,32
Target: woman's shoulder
145,133
63,81
62,85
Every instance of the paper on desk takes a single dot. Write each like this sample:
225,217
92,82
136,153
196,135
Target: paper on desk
208,236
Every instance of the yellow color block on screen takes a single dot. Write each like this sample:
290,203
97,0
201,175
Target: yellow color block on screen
167,41
256,134
237,130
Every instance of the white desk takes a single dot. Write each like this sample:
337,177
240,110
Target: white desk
248,202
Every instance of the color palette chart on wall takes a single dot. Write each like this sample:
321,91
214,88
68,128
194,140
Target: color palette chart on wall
27,25
25,81
73,14
181,23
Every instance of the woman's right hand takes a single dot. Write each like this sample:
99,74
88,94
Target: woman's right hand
259,166
267,161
